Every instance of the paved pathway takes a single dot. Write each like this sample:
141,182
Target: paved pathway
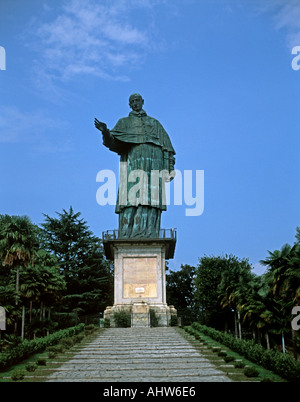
138,355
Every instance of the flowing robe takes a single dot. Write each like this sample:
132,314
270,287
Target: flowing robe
145,151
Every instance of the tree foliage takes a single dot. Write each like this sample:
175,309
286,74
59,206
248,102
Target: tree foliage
17,240
180,292
227,295
49,272
88,276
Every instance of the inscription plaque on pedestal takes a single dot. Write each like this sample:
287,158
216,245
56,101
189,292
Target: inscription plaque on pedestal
139,277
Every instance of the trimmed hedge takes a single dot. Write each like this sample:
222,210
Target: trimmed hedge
27,348
282,364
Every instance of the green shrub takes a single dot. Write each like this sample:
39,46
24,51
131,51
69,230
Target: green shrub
106,323
67,342
239,364
122,319
250,371
154,319
59,348
27,348
266,379
229,359
17,375
282,364
222,353
78,338
31,367
89,329
41,362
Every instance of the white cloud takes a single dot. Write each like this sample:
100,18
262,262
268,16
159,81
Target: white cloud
91,38
286,16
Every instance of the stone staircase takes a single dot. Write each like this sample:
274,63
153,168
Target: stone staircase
139,355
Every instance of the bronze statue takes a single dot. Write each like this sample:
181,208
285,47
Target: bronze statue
147,153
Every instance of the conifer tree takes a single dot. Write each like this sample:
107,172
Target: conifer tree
88,276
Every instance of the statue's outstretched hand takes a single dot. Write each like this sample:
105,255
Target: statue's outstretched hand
100,126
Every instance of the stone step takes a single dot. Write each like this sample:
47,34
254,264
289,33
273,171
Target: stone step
138,373
154,360
89,365
137,355
137,349
155,368
178,379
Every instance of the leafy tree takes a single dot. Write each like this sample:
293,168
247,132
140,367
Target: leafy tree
297,234
278,262
42,283
234,286
284,271
8,298
88,276
207,278
180,289
221,285
18,241
258,309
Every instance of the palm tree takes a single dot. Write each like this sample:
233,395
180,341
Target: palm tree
30,287
261,309
17,244
278,262
42,283
30,290
53,286
284,267
233,288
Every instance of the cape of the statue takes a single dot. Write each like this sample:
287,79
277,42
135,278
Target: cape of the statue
139,128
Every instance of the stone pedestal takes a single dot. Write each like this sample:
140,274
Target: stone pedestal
139,280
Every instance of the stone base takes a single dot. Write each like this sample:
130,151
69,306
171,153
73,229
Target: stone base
143,314
140,282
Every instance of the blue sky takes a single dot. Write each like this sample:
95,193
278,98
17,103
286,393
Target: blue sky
217,74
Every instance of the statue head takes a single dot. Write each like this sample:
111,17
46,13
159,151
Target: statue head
136,102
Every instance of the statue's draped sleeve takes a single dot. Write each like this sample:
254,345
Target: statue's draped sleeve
114,144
